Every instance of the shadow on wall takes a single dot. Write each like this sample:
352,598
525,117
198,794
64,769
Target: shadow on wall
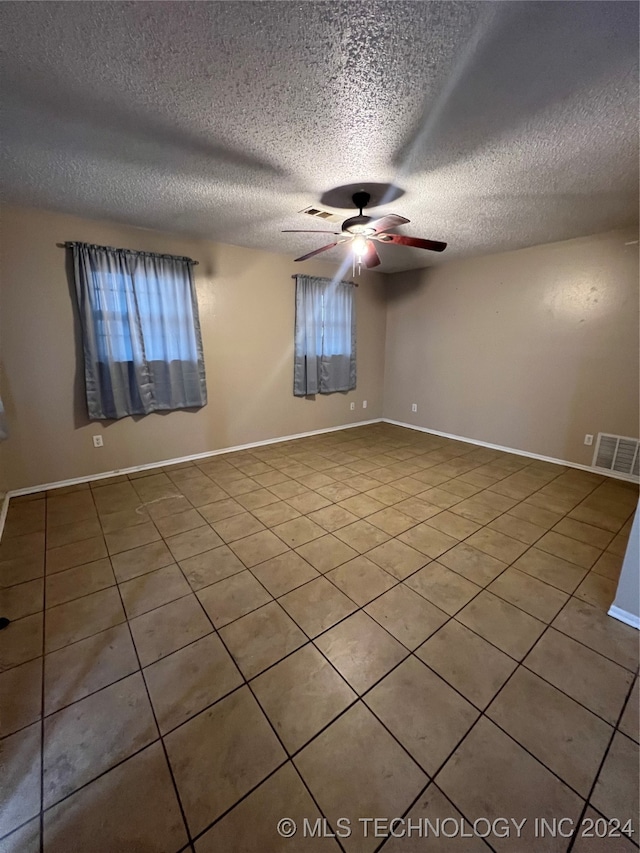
399,286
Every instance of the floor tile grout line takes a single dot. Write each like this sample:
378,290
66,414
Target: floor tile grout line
311,640
290,756
18,827
94,779
417,523
138,751
175,562
93,692
587,799
359,698
589,805
520,663
512,565
158,739
315,801
560,689
42,684
483,526
481,712
561,631
155,719
481,589
483,715
626,704
308,642
321,574
417,799
83,595
431,778
429,560
432,559
441,509
450,509
245,683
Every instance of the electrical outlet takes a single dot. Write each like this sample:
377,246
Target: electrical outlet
588,439
414,407
364,404
97,441
352,407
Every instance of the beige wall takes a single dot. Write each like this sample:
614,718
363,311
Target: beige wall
246,300
529,349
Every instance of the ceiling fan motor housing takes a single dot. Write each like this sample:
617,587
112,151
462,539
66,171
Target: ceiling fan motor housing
358,224
363,230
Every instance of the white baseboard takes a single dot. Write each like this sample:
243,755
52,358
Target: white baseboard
613,474
624,616
210,453
150,465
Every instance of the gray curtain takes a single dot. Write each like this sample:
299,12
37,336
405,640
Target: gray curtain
140,332
325,336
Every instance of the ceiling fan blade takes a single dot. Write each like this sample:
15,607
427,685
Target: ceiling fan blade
415,242
317,251
371,258
307,231
391,220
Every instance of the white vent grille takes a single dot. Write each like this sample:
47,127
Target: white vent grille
318,213
617,453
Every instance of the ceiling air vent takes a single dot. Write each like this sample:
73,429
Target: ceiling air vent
617,453
318,213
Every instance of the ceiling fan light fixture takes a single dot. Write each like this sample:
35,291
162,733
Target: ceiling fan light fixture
360,245
358,225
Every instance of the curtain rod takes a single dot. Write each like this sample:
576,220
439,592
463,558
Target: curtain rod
352,283
71,244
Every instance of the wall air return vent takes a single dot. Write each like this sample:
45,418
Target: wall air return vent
318,213
618,454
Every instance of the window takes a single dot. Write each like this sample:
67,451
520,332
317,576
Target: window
325,336
140,331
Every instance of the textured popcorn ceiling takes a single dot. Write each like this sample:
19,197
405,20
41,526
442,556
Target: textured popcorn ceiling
506,124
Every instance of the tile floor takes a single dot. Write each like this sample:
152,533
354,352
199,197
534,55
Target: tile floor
369,623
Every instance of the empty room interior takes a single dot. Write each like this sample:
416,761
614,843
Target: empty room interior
319,427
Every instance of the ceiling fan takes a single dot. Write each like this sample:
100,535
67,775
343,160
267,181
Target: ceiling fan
362,232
